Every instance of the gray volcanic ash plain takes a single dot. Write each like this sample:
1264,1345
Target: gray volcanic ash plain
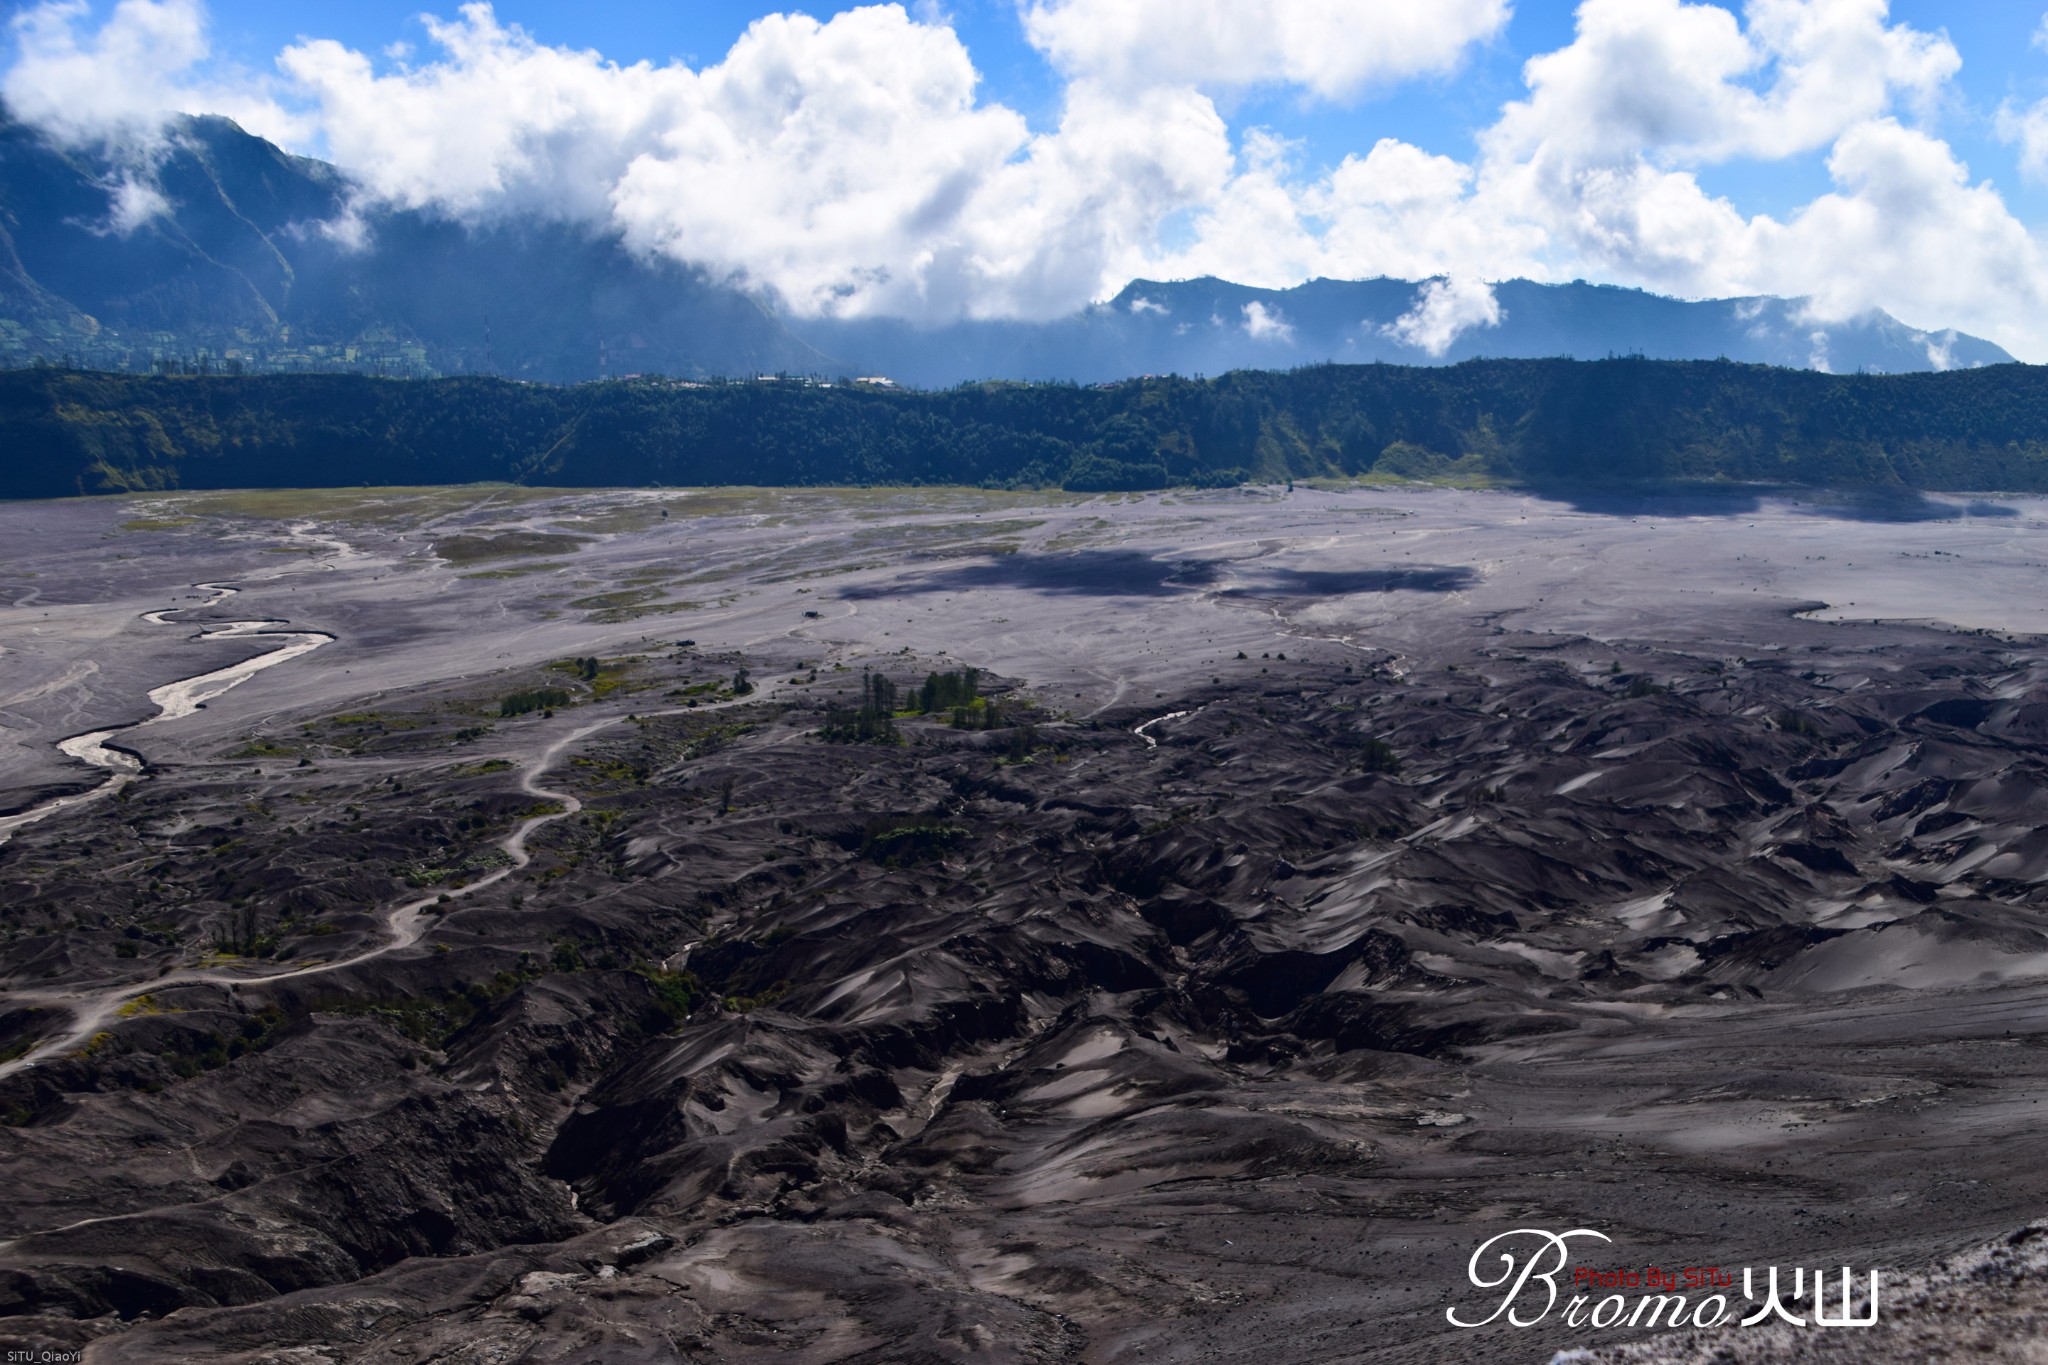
539,967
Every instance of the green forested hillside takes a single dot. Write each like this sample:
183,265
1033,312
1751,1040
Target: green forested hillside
1538,421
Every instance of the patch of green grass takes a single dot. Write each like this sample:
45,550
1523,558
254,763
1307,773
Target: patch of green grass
612,616
517,570
1085,532
675,993
620,519
421,875
894,843
586,668
1450,478
744,1004
433,1018
395,504
476,548
264,748
533,699
610,770
990,549
623,597
377,718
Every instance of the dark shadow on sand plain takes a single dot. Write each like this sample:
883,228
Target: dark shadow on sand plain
1902,506
1879,505
1279,582
1084,573
1131,573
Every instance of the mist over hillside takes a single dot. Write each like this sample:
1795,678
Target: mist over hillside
230,253
257,264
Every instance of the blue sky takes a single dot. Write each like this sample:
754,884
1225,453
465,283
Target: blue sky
1021,157
2000,63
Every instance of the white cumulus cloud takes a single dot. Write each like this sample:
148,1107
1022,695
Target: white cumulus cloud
2028,129
1595,174
115,85
1689,82
850,165
1907,230
1333,47
1266,324
847,165
1444,310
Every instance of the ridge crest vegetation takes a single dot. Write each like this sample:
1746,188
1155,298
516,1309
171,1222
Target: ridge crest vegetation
1533,422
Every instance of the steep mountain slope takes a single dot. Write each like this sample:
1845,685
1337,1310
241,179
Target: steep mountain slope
257,264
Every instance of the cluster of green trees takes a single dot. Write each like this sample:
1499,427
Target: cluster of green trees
1530,420
984,715
874,720
960,693
1023,743
532,699
945,691
241,933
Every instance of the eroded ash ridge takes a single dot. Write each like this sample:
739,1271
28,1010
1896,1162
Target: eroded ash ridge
1007,1034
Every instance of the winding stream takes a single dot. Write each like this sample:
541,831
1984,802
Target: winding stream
1150,742
172,701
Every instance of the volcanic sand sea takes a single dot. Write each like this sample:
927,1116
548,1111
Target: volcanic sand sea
1690,913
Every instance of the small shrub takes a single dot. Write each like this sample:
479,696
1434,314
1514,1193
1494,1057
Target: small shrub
1378,756
533,699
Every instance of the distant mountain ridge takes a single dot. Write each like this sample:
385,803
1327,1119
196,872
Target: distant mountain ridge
243,269
1210,326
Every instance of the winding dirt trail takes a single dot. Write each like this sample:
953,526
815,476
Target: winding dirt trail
404,924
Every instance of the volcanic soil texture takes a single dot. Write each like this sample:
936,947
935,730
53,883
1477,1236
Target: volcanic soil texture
889,926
